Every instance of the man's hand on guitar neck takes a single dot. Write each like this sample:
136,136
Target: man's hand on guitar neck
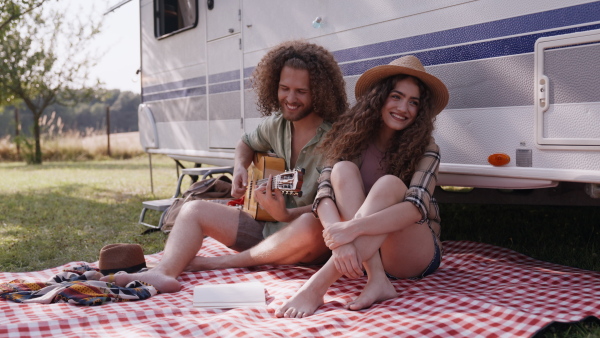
272,201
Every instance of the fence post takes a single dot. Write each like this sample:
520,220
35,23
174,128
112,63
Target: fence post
108,129
17,131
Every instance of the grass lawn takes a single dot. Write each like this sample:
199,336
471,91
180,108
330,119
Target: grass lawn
63,212
66,211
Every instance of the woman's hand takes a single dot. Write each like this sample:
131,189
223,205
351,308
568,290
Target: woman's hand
337,234
347,261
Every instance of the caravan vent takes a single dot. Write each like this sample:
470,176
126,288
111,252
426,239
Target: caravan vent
524,158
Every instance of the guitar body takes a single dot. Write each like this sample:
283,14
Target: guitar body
262,166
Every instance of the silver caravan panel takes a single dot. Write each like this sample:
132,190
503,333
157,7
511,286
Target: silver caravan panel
484,50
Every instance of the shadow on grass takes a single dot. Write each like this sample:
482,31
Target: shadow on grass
563,235
44,229
89,165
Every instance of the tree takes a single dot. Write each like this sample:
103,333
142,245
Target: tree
43,64
12,10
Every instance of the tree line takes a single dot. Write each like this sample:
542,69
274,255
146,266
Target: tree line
86,115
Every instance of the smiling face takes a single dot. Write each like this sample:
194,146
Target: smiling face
400,108
294,93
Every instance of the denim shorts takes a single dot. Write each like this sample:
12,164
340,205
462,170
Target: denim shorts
433,265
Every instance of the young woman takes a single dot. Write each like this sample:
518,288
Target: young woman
375,196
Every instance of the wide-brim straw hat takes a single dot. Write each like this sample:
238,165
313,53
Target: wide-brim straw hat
121,257
409,65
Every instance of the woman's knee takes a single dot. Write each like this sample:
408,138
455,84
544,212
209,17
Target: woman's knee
344,170
389,186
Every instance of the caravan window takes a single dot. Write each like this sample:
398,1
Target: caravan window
174,16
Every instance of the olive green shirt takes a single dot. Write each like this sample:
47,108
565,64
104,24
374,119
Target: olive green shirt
275,134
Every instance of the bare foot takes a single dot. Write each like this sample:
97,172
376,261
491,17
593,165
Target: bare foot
162,283
376,290
304,303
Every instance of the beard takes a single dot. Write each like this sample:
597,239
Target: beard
296,116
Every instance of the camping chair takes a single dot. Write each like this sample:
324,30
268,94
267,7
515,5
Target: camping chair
164,204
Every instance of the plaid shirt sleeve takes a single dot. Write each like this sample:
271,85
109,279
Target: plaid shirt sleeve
423,182
324,189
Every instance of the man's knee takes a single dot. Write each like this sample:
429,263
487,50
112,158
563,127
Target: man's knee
194,206
307,227
208,214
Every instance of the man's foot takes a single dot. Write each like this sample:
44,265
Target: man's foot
304,303
375,291
162,283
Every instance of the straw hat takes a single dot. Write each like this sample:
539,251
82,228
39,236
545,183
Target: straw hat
409,65
121,257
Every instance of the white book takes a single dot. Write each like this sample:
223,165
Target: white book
227,296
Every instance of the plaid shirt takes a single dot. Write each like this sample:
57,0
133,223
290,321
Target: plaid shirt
420,190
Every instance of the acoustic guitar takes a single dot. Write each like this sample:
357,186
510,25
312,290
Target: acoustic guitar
288,182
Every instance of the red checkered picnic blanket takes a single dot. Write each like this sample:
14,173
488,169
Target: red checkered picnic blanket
479,290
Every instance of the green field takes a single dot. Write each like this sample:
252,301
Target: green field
63,212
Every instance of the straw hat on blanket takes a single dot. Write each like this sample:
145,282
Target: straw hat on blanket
121,257
409,65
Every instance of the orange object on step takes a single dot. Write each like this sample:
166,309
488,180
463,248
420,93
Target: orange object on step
498,159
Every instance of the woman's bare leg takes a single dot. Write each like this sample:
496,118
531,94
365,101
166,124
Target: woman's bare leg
404,253
386,192
378,288
350,195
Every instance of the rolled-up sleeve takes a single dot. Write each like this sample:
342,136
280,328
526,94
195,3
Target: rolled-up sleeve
324,189
423,182
269,129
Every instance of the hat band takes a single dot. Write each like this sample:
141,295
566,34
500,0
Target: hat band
130,269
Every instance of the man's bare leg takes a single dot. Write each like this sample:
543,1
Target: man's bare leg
300,241
195,220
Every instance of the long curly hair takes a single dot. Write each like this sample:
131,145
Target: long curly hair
359,126
327,84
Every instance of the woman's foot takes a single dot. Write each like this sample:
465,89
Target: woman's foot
376,290
161,282
304,303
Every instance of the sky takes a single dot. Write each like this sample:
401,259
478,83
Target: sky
120,37
119,40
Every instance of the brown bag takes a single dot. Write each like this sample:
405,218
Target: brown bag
207,189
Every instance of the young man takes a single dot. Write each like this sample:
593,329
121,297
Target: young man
304,85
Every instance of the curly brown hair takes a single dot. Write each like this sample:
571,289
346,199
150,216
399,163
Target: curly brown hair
327,84
359,126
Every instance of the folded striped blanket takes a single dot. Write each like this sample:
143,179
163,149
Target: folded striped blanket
78,285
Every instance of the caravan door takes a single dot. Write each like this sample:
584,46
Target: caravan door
567,96
224,62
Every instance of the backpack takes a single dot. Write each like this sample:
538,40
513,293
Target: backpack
216,188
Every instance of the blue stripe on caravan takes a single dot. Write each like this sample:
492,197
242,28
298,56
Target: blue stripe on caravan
475,51
355,62
223,77
188,92
552,19
192,82
224,87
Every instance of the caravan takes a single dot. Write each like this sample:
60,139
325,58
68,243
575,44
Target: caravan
523,77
